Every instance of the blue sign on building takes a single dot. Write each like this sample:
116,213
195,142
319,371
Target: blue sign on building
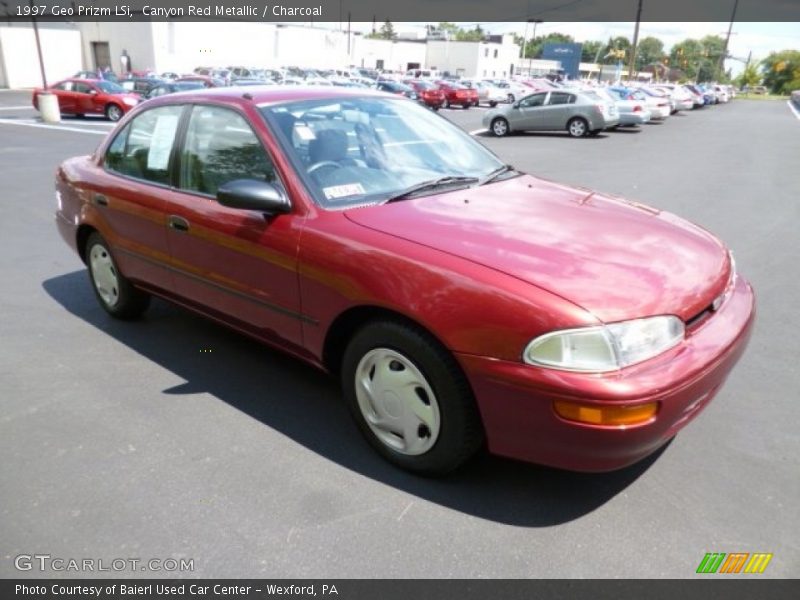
568,54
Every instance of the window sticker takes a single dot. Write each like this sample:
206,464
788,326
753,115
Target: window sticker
161,142
343,191
305,133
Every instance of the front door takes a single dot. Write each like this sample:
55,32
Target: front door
530,114
238,264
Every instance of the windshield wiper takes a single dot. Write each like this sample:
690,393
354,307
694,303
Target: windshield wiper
495,174
431,185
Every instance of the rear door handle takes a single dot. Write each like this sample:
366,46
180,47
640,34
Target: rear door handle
178,223
100,200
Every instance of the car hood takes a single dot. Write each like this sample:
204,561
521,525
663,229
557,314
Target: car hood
617,259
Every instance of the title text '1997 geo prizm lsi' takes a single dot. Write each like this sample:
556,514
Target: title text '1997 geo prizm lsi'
462,303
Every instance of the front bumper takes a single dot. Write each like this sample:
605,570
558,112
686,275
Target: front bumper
516,400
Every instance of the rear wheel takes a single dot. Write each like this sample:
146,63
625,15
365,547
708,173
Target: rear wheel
113,112
578,127
466,106
447,103
410,399
500,127
114,291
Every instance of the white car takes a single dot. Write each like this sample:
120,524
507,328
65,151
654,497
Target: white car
722,94
513,90
658,103
681,97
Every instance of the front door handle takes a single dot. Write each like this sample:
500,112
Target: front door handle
178,223
100,200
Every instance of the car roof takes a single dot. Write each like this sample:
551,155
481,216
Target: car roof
269,94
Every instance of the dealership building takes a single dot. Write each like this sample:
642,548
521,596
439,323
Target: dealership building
180,46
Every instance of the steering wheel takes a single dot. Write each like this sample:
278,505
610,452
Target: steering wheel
322,163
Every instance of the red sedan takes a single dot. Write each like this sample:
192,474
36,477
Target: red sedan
460,302
90,96
456,94
429,94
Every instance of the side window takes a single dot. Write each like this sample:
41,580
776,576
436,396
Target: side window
142,150
82,88
561,98
533,101
221,147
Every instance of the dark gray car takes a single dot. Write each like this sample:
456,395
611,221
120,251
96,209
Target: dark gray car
579,113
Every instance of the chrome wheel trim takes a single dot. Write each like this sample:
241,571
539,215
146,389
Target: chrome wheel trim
104,275
114,112
577,128
500,127
397,402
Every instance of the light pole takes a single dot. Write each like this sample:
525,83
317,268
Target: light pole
632,64
533,39
721,66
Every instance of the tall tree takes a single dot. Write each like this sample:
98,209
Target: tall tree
592,51
473,35
650,51
782,71
387,30
749,77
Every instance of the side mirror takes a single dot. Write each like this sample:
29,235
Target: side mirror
251,194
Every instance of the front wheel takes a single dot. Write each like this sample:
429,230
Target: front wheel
114,291
113,112
410,398
492,103
578,127
500,127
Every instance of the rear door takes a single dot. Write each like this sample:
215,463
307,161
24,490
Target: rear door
237,264
557,110
66,96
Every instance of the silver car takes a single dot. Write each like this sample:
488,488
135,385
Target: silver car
579,113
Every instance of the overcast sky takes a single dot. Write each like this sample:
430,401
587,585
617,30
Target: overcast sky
761,38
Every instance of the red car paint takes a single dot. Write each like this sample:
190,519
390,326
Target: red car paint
485,270
80,103
430,95
457,94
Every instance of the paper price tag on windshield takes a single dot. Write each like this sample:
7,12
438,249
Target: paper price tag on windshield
161,142
342,191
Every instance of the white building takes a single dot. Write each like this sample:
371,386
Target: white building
19,59
495,57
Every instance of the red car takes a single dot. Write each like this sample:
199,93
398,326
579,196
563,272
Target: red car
429,94
460,302
457,94
91,96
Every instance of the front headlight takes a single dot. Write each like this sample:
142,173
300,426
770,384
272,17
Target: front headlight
130,101
605,347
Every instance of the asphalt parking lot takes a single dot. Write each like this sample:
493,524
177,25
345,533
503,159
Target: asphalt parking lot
173,437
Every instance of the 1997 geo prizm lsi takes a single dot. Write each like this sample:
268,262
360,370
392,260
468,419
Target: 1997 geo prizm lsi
461,302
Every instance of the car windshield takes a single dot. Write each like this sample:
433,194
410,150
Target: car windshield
110,87
359,151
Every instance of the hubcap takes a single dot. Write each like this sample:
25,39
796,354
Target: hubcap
104,275
397,402
577,128
114,113
500,127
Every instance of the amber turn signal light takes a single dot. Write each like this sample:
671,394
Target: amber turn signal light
609,416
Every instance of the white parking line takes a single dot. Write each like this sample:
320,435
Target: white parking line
477,131
794,110
28,106
51,127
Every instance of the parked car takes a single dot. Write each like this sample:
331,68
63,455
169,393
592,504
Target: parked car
488,92
247,81
206,80
99,74
398,88
429,94
565,327
631,112
721,93
456,94
169,76
90,96
658,105
170,87
578,113
515,90
140,85
682,98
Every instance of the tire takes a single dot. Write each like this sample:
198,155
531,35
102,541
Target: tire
426,421
465,106
492,104
447,103
578,127
115,293
596,132
510,98
499,127
113,113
